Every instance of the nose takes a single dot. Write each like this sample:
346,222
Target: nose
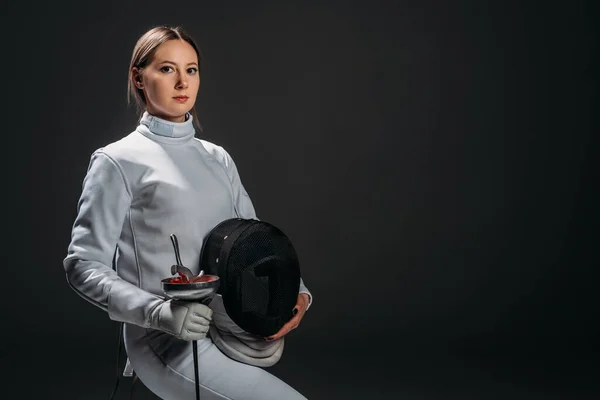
182,83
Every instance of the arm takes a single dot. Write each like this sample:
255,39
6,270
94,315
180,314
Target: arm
244,207
101,211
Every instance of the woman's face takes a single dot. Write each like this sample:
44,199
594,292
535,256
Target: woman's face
171,81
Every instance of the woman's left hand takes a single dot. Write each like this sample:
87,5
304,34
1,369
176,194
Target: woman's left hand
299,310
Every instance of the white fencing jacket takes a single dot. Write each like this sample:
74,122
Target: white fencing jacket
156,181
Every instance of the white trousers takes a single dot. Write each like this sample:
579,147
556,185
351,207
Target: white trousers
165,365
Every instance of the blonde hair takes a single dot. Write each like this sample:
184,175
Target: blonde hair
143,53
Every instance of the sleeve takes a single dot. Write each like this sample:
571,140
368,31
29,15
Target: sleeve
101,212
244,207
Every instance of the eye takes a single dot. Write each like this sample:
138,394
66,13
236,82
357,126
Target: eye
164,69
192,70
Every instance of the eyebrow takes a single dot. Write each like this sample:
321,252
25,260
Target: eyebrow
171,62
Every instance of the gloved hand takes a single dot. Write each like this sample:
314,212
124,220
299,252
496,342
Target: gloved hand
183,319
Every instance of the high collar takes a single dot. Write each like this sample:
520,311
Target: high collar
163,131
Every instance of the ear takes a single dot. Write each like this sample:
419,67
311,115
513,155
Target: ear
137,77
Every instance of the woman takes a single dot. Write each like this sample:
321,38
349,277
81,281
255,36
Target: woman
154,182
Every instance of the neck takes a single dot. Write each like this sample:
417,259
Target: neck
164,131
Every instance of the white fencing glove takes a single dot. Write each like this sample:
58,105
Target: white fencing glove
183,319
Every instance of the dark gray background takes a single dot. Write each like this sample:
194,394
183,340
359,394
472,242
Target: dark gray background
434,162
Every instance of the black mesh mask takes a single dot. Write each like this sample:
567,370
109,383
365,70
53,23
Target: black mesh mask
259,273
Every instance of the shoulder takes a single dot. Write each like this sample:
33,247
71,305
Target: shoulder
215,151
108,153
131,152
129,155
127,148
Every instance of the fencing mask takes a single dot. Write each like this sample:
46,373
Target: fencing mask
259,275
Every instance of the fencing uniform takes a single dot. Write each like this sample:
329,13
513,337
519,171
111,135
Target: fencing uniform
157,181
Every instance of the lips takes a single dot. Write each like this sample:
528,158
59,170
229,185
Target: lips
181,98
